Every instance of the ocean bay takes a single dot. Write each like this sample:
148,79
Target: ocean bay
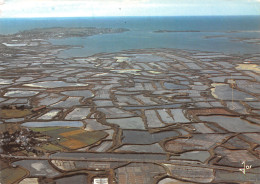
224,34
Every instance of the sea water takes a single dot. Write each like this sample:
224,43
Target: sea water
217,34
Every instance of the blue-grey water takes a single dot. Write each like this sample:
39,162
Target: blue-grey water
141,35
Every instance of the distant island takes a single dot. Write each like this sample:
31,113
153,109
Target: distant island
174,31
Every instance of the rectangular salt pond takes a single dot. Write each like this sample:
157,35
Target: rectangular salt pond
232,124
15,44
54,84
49,115
53,124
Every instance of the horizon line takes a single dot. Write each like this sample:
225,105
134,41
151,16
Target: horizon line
128,16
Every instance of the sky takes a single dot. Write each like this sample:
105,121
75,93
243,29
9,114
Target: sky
96,8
